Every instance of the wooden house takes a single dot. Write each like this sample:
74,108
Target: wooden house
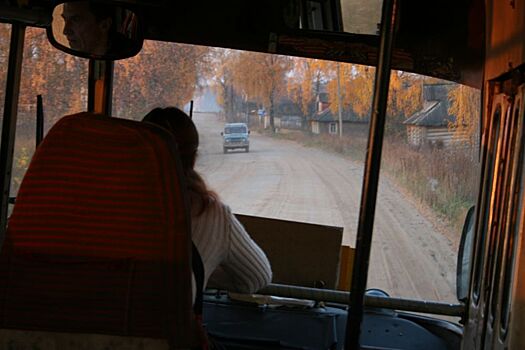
431,125
324,121
288,115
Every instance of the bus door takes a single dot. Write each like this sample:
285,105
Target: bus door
496,224
512,285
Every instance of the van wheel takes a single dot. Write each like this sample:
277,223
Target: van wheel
247,149
225,150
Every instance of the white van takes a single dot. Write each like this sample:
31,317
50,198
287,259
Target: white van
235,135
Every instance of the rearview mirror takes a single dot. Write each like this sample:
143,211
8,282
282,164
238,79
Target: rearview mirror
95,30
465,256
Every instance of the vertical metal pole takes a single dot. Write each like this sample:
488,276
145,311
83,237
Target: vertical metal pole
91,85
12,89
371,177
339,100
108,90
100,87
39,120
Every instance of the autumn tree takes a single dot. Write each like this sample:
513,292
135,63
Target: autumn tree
162,74
344,88
5,34
355,85
221,75
262,78
60,78
404,99
352,86
305,81
464,104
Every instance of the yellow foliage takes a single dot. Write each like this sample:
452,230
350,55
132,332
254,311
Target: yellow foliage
61,79
404,96
464,104
261,77
305,80
162,74
360,89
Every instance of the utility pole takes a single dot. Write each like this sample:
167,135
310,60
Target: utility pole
339,100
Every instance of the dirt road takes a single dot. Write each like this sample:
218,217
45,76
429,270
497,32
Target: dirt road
282,179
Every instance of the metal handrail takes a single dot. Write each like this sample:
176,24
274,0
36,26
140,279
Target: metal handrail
365,224
341,297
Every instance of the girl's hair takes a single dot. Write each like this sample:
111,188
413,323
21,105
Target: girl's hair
180,125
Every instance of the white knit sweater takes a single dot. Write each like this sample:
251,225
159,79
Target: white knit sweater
227,249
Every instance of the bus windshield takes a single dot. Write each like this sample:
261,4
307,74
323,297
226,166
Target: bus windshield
307,149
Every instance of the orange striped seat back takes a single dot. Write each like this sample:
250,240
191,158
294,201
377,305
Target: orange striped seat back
99,239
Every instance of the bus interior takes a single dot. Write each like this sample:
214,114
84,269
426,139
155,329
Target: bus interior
384,179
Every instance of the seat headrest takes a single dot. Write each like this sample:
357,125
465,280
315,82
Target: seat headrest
102,187
100,236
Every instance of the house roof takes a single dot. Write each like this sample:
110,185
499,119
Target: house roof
327,116
434,113
287,107
435,107
436,92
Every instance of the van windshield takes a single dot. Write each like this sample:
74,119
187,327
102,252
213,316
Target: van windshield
235,130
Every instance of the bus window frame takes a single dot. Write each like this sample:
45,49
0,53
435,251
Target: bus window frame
501,231
492,232
12,90
486,196
516,219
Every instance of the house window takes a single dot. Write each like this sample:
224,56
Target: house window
333,128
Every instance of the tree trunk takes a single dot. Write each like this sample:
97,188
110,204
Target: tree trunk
272,123
230,102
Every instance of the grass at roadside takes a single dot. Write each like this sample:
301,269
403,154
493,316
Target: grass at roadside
445,179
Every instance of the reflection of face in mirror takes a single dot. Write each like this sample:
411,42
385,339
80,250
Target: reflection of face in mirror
87,26
95,30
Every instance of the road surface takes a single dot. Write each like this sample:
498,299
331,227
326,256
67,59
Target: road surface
285,180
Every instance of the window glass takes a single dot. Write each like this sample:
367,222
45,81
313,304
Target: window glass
5,35
235,130
510,249
361,17
501,237
60,78
306,171
493,151
351,16
162,74
429,180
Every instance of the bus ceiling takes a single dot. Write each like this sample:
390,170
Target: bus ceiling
432,41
